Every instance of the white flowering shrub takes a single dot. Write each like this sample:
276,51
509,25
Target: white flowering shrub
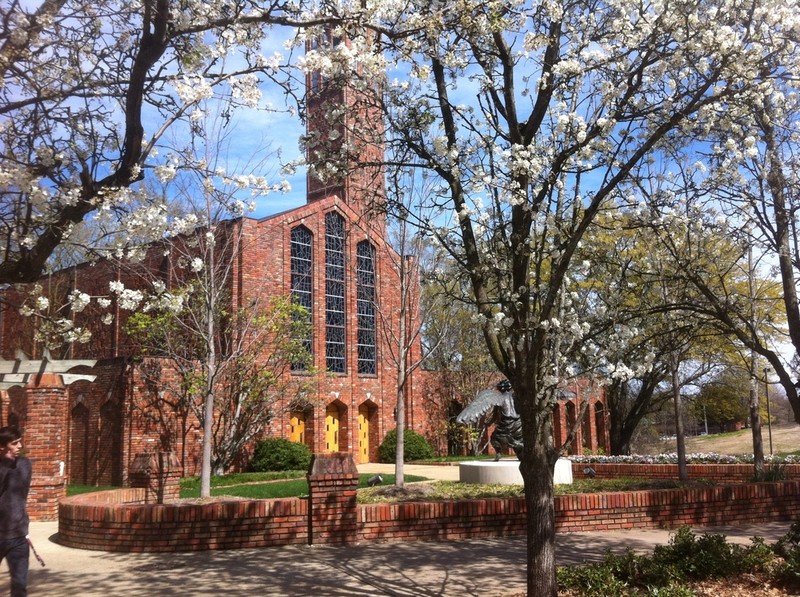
672,458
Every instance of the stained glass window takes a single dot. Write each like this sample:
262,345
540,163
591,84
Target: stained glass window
365,307
334,293
301,281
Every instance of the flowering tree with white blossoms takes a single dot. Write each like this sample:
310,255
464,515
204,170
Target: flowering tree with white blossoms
89,89
744,185
635,306
532,117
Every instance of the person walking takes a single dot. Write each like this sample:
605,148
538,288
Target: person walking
15,482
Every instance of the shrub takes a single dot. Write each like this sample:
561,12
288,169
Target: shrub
788,547
415,447
692,557
592,580
667,571
772,472
273,454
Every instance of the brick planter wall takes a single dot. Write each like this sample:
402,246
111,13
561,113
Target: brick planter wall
672,508
717,473
112,521
439,521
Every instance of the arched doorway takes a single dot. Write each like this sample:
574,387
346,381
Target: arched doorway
363,433
367,431
558,425
572,417
600,423
110,445
79,448
587,442
297,427
332,420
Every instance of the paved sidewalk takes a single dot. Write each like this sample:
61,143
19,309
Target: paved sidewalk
485,567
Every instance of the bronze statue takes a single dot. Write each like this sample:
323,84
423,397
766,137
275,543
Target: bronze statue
508,430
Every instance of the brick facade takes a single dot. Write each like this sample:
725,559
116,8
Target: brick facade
109,420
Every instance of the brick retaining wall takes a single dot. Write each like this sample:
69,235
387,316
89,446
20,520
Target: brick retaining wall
716,473
107,521
118,520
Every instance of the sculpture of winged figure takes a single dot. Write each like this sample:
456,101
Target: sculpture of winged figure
508,430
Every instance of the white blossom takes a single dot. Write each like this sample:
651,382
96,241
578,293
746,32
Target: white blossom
79,300
196,265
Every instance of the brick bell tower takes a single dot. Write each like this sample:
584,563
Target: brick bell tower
344,139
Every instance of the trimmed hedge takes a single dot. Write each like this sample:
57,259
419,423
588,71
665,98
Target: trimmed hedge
415,447
274,454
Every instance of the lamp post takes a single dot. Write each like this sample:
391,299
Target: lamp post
769,415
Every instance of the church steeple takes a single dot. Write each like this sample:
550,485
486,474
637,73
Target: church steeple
344,138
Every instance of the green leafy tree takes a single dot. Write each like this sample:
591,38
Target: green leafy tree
458,356
250,381
723,401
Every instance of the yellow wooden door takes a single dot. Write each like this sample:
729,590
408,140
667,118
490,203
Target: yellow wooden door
332,429
363,433
297,423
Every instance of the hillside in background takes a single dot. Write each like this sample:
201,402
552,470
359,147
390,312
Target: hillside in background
785,440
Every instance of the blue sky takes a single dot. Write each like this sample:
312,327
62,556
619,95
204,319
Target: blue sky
277,132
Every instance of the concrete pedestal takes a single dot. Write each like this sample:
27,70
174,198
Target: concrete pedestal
506,472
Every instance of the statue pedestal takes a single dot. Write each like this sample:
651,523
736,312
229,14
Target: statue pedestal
506,472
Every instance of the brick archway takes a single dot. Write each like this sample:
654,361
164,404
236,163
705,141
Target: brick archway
44,423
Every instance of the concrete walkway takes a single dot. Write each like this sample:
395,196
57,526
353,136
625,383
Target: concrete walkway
494,567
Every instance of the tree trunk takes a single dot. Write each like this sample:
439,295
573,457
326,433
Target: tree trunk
683,474
620,440
537,473
402,374
399,459
755,421
208,430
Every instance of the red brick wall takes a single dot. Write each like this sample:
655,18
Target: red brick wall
104,521
716,473
268,271
671,508
120,415
592,436
109,521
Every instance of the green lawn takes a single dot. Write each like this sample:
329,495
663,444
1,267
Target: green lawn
79,489
255,489
294,484
250,485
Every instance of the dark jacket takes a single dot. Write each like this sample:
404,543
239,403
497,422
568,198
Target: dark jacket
15,482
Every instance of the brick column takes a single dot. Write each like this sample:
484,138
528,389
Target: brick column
160,474
45,440
332,512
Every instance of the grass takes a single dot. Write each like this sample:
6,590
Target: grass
293,484
785,440
455,490
455,459
190,484
260,486
74,489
